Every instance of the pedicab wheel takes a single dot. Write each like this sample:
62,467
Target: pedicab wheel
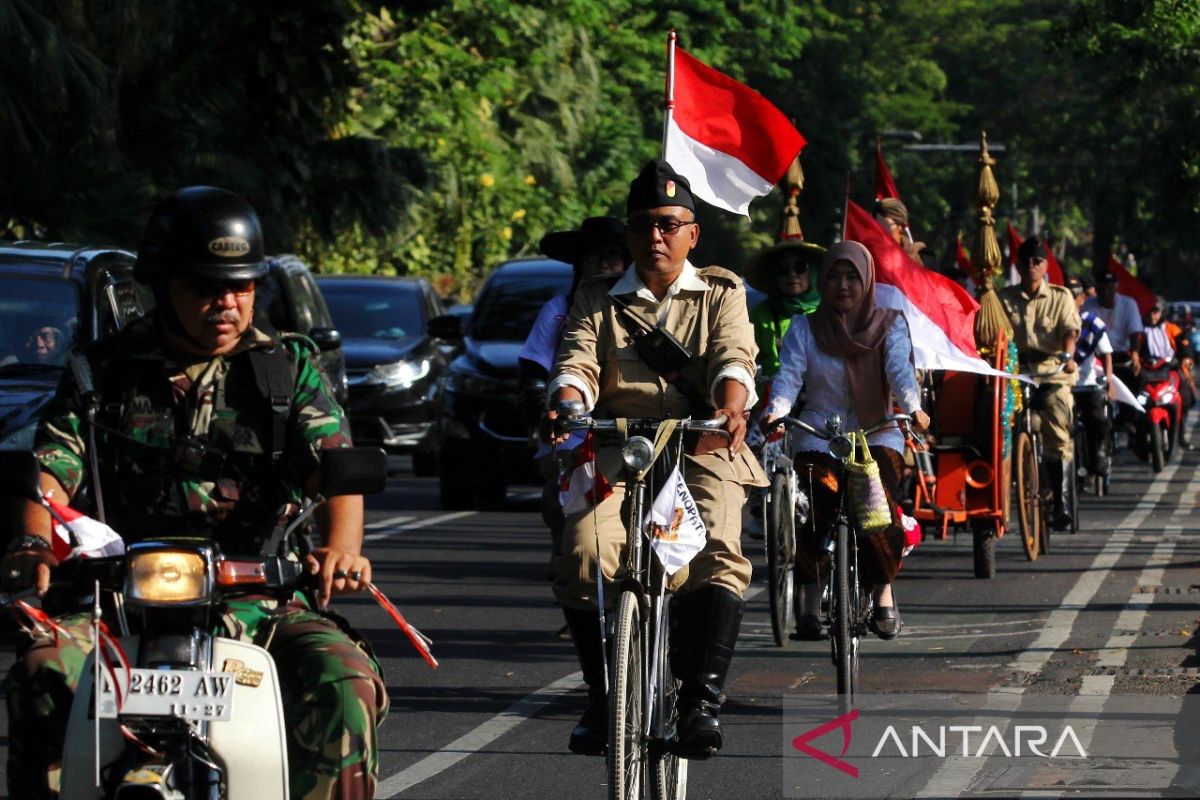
1029,504
626,749
781,556
845,646
1158,446
983,542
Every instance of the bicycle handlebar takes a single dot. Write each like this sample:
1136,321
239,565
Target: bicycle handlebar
794,422
715,425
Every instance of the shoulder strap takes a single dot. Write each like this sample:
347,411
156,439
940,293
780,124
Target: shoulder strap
643,336
273,379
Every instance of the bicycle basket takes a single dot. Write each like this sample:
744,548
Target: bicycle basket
867,499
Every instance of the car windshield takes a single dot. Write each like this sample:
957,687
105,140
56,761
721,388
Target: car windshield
379,311
38,318
510,304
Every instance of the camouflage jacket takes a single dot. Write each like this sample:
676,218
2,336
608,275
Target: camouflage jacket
186,448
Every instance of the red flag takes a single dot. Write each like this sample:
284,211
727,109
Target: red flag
1014,244
939,312
729,141
1129,285
885,186
1054,272
963,260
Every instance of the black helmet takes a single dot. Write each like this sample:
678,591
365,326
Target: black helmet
204,231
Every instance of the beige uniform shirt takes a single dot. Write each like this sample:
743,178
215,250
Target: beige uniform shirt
1040,323
705,310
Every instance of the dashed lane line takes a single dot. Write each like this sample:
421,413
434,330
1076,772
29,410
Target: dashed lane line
412,526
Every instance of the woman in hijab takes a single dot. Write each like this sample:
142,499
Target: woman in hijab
854,360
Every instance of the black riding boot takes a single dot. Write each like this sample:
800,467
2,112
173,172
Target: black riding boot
1058,474
705,627
590,736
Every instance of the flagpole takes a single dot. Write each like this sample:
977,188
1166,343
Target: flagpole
669,93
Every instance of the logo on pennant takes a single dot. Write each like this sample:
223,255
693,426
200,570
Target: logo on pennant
670,188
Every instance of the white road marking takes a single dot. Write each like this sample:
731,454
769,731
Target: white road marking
387,523
491,730
957,773
412,526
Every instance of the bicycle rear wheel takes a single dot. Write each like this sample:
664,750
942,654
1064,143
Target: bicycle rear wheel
845,615
781,555
626,747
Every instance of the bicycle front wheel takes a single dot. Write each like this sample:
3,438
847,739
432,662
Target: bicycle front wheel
1029,502
781,555
668,772
844,614
626,746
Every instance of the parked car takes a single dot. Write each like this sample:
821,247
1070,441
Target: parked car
484,444
392,363
290,300
52,298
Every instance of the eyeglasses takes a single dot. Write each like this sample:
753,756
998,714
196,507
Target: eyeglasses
667,226
214,289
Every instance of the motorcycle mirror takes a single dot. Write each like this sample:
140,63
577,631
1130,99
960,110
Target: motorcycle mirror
20,474
353,470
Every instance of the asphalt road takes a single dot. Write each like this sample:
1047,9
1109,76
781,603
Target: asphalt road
1111,610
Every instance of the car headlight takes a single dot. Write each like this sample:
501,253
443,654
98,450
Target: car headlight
638,453
401,373
20,439
471,383
167,577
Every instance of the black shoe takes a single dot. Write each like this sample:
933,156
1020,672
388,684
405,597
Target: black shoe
886,623
1059,474
590,736
808,629
704,631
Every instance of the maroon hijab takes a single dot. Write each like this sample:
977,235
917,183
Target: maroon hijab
857,335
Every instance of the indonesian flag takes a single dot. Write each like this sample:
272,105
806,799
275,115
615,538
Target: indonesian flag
885,185
676,531
728,141
1014,244
939,312
584,486
962,259
1128,284
1054,272
86,537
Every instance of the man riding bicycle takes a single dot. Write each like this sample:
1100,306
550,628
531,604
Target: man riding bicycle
598,364
1046,325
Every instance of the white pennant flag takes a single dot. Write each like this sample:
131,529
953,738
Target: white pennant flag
676,531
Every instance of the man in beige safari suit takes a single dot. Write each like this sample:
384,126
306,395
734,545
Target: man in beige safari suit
1046,324
597,363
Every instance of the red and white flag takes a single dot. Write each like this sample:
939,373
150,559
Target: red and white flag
1014,244
1054,272
885,184
584,486
939,312
729,141
92,538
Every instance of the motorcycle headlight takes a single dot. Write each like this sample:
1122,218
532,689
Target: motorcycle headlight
638,453
401,374
20,439
167,577
471,383
840,447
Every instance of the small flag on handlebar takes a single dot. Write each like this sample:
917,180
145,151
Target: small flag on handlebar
419,640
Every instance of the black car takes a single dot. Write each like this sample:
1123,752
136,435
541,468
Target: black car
393,365
52,298
484,443
290,300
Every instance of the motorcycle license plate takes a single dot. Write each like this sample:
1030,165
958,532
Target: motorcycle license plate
190,694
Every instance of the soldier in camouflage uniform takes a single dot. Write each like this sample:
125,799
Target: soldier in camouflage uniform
207,425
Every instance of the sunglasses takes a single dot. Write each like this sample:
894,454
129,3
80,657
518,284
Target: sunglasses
667,226
784,270
208,289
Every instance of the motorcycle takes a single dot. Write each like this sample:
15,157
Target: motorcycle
180,712
1157,430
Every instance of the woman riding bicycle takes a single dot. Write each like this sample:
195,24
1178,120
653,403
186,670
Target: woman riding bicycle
855,360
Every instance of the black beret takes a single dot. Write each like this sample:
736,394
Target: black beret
659,185
1031,248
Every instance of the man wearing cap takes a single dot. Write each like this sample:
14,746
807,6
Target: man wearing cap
1046,326
892,216
597,364
1090,397
597,247
1120,315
